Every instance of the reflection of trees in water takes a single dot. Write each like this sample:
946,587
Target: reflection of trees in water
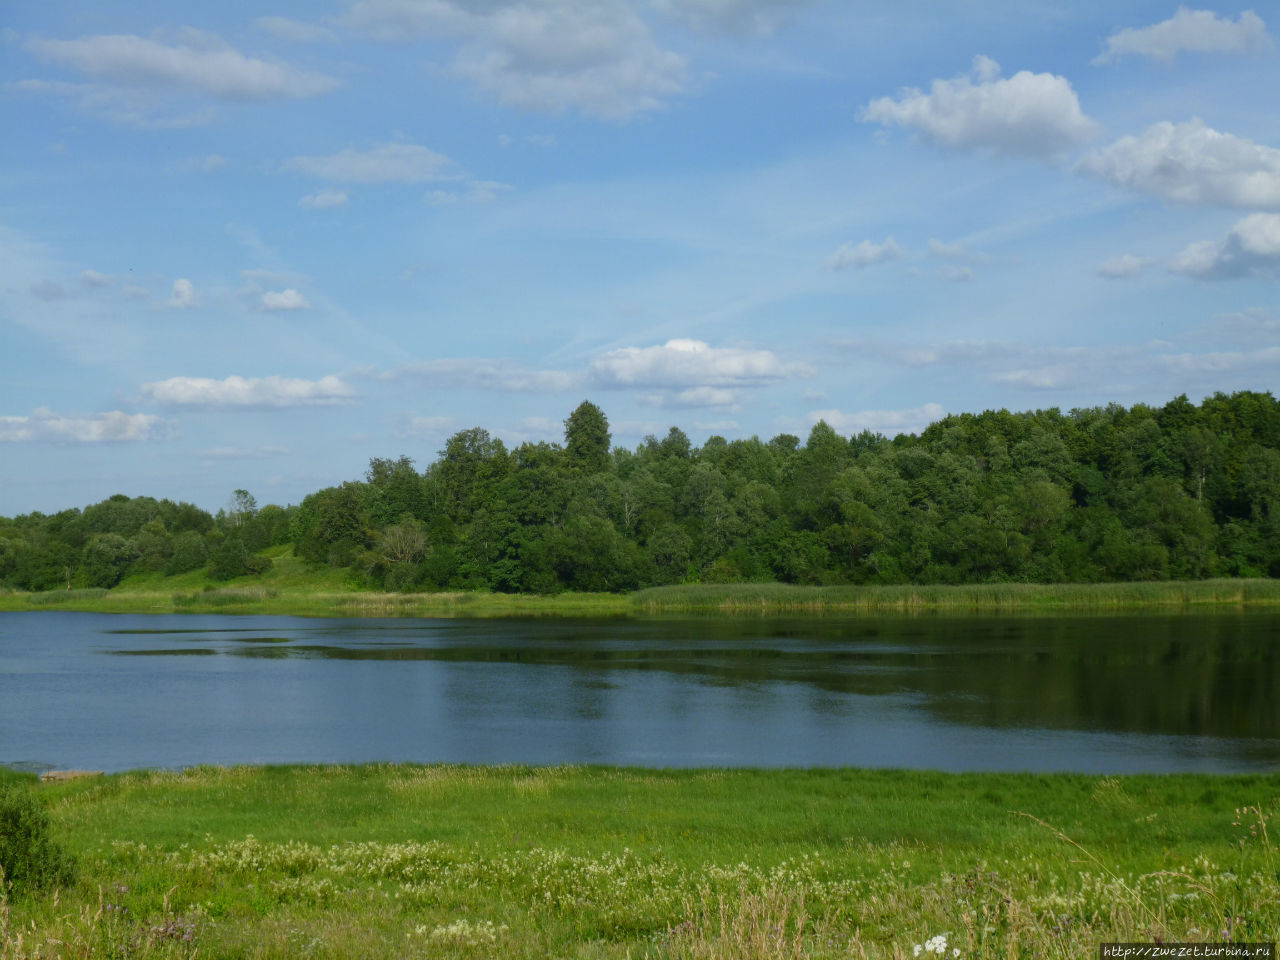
1198,675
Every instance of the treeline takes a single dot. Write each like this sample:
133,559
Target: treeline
1103,494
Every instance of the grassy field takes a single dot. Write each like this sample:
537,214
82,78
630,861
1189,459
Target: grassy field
446,861
291,587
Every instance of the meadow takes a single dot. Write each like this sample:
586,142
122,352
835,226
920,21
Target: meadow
463,862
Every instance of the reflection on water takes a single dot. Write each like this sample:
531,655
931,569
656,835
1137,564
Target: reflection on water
1077,693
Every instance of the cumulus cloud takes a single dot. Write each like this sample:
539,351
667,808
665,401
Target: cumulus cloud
911,420
382,163
198,63
113,427
323,199
1252,246
1191,163
593,56
1029,114
1123,267
760,17
183,295
957,274
690,363
865,254
273,391
1190,31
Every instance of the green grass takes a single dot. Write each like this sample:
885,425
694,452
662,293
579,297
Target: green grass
977,598
455,861
290,587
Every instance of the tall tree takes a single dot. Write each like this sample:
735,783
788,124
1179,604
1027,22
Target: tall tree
586,439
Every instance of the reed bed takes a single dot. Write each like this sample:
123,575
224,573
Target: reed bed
770,598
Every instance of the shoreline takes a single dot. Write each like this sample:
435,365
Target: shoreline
262,596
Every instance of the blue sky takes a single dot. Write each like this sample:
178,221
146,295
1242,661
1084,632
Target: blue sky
253,246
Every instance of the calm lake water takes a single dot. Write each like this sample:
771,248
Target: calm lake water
1096,694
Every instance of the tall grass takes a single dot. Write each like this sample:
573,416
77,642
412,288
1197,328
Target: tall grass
768,598
297,596
470,862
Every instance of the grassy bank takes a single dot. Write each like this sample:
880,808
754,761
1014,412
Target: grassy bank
442,861
292,590
967,598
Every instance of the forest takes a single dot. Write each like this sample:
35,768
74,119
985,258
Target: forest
1092,495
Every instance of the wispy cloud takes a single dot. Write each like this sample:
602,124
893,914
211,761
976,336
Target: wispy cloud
235,391
113,427
1190,31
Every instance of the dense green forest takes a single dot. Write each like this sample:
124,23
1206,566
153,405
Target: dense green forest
1102,494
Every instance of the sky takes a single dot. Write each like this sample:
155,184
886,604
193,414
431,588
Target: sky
255,245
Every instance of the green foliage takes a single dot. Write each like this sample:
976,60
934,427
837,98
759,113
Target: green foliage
586,439
29,857
1179,492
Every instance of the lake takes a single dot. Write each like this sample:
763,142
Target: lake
1123,694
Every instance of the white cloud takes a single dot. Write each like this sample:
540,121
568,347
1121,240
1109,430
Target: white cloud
1252,245
323,199
289,299
865,254
199,63
694,397
273,391
760,17
92,278
594,56
880,421
115,426
383,163
1191,163
243,453
1190,31
689,363
183,295
1123,267
1046,377
478,191
957,274
295,31
1026,114
487,374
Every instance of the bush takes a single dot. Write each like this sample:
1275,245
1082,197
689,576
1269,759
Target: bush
28,855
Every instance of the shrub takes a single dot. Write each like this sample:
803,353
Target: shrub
31,860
